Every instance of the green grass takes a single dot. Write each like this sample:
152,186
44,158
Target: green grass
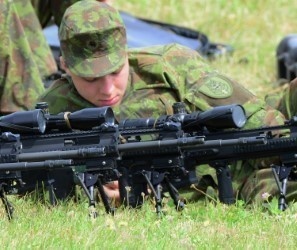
199,226
253,28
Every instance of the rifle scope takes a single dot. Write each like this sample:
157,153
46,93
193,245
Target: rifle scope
221,117
32,121
83,119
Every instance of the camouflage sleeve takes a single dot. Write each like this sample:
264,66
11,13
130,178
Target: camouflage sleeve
20,78
41,51
284,99
203,87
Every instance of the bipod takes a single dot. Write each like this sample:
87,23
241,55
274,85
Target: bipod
7,205
281,174
156,190
88,182
51,190
174,194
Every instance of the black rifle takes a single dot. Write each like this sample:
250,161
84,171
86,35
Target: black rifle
42,143
139,152
109,151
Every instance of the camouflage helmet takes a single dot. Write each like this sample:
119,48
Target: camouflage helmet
93,39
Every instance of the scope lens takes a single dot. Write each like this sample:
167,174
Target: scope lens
41,120
239,116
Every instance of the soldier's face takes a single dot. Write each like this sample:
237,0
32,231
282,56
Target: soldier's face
103,91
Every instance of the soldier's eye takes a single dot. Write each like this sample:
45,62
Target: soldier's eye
90,79
118,70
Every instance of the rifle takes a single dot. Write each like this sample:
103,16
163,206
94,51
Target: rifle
139,152
41,143
91,138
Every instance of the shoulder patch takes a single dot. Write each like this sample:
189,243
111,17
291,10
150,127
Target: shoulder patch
216,87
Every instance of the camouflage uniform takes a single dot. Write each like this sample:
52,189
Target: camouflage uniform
159,76
284,99
25,56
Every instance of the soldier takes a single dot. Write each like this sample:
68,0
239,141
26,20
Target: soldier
25,56
101,71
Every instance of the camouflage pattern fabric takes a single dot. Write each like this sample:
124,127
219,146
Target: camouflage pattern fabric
284,99
37,41
25,56
163,75
104,51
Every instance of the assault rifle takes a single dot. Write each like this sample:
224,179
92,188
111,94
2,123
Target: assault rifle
137,152
147,150
219,148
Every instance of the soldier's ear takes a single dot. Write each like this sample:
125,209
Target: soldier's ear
63,64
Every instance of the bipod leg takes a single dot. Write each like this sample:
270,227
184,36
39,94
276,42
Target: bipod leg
8,206
179,205
157,193
92,203
281,174
104,198
50,187
89,191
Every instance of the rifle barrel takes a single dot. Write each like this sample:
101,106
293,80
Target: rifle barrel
19,166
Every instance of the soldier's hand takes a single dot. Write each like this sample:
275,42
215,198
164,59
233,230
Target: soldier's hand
112,190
